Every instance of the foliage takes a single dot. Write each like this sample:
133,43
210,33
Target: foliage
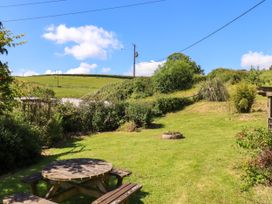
228,75
258,145
6,93
19,144
140,114
142,87
102,116
132,88
254,77
244,97
71,118
170,104
107,117
213,90
172,76
53,131
182,57
197,78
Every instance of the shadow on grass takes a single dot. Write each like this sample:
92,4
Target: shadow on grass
156,126
11,183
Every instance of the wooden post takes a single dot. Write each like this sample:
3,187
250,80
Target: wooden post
269,112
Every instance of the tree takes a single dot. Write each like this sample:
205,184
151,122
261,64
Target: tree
182,57
172,76
6,94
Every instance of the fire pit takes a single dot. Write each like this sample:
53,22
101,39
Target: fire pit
172,135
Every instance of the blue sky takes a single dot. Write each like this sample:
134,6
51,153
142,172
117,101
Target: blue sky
102,42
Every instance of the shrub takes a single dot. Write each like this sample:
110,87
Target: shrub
254,77
257,143
173,75
19,144
53,130
244,97
140,114
213,90
132,88
71,118
107,117
197,78
142,87
166,105
182,57
228,75
101,116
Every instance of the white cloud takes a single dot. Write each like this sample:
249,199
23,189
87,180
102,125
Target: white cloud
146,68
24,72
256,59
106,70
49,71
83,68
89,41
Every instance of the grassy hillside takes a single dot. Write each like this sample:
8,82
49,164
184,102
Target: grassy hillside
72,86
199,169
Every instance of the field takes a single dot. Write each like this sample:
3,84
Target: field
71,86
200,169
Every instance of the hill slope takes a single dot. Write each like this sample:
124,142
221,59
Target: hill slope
72,86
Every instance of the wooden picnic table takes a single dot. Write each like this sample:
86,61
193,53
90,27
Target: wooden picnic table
76,176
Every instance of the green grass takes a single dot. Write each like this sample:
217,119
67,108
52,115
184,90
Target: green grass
71,86
202,168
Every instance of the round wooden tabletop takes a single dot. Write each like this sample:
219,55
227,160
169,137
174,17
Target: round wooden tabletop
76,169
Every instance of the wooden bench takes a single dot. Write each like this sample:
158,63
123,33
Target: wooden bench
119,195
119,174
33,181
25,198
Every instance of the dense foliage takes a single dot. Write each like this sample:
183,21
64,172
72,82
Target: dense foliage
213,90
172,76
184,58
170,104
19,143
140,114
228,75
243,97
6,91
254,77
257,143
132,88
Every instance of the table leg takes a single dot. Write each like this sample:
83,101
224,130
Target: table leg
101,186
52,191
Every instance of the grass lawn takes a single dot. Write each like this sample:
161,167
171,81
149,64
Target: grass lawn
202,168
71,86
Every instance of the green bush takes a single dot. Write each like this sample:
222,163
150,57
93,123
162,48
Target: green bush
244,97
132,88
71,118
257,143
108,117
228,75
19,144
53,131
102,116
140,114
213,90
142,87
172,76
166,105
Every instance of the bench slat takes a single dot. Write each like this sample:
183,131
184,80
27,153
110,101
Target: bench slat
34,178
25,198
118,195
120,172
128,193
